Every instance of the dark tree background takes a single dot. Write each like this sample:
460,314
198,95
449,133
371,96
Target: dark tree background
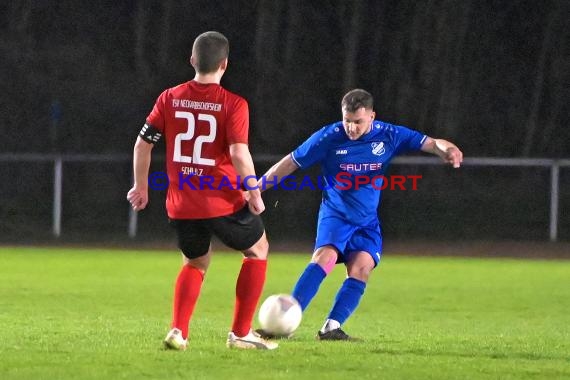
492,76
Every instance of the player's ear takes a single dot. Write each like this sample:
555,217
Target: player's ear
193,61
224,64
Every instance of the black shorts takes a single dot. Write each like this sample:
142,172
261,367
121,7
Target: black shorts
240,231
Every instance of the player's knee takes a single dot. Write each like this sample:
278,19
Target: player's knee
259,250
360,266
201,263
192,252
359,273
326,257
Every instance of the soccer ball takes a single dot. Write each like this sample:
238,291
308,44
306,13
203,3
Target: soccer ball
280,315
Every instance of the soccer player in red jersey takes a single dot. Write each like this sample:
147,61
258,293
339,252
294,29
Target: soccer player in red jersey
205,128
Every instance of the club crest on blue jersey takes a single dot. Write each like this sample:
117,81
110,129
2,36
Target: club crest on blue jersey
378,148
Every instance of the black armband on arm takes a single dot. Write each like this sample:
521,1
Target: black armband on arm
150,134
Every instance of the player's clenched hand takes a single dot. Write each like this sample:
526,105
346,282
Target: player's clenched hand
454,156
138,198
255,204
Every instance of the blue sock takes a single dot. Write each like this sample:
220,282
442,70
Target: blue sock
308,284
347,299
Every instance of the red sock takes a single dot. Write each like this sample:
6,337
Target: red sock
248,290
186,292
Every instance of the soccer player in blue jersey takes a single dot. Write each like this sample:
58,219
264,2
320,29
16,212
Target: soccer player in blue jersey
353,155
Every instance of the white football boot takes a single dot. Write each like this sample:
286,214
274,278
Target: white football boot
251,341
174,340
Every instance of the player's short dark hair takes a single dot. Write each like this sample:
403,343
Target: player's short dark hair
356,99
209,50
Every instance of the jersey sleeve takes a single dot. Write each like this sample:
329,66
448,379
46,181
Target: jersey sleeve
407,139
310,152
238,123
156,117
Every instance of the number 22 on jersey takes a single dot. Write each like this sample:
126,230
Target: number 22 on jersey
196,157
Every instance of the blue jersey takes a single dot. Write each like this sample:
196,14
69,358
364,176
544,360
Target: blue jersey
344,161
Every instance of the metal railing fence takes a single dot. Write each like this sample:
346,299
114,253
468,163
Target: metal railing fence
59,159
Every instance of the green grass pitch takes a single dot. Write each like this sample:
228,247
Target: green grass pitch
102,314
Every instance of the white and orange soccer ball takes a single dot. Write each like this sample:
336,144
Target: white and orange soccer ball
280,315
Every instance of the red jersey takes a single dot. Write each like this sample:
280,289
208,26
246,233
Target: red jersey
199,122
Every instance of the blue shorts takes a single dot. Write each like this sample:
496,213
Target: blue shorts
348,238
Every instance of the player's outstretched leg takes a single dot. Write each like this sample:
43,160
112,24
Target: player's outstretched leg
307,286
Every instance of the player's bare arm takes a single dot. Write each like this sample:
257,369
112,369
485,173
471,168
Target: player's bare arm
243,163
138,194
281,169
448,151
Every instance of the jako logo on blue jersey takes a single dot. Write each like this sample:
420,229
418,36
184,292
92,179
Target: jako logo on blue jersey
378,148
